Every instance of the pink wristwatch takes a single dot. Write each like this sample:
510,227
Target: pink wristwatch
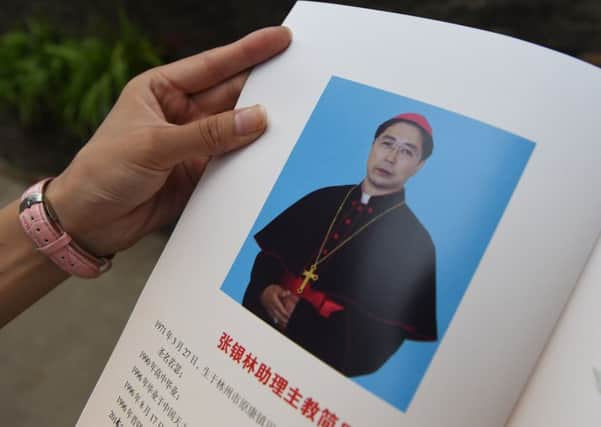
41,224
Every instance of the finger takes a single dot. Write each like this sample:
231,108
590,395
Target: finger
277,316
206,69
279,308
281,321
217,99
281,317
213,135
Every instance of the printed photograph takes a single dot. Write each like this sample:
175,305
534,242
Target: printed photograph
373,231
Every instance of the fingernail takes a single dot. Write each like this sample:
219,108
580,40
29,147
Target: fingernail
289,31
250,120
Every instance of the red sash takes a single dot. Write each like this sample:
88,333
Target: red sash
324,306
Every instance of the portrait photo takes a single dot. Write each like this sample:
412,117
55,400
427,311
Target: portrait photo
373,231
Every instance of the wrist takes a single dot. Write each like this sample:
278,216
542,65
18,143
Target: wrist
40,223
73,218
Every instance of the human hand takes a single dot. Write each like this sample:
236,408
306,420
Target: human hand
290,300
279,304
142,164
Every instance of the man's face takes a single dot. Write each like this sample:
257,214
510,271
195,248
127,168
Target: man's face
396,155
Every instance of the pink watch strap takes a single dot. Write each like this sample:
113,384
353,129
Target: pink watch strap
50,238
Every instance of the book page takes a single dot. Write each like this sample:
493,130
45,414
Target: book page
420,208
566,386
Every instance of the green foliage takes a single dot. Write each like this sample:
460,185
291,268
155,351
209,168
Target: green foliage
50,78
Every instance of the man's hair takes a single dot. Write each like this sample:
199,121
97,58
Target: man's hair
427,142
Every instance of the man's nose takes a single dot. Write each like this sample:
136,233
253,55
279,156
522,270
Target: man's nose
392,154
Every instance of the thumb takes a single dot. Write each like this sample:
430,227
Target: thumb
210,136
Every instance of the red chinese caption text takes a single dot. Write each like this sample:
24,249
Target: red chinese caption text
306,406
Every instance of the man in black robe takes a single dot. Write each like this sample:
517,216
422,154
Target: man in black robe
348,272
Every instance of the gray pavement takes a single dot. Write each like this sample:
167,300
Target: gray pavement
52,355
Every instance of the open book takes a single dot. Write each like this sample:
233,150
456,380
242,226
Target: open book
396,250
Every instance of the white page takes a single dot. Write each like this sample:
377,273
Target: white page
517,292
565,389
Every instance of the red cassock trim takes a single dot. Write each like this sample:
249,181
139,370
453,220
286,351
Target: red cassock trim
324,306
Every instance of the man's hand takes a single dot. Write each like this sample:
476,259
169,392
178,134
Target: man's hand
279,304
140,167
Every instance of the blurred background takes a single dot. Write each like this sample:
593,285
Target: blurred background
62,65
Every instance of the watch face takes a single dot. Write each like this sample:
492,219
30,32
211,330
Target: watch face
29,201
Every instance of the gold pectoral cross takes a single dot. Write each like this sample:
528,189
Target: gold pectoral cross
308,275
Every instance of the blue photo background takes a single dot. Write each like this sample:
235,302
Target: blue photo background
459,195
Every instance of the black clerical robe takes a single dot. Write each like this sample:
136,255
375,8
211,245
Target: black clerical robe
381,282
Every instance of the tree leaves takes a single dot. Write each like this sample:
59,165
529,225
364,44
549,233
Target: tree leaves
48,78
